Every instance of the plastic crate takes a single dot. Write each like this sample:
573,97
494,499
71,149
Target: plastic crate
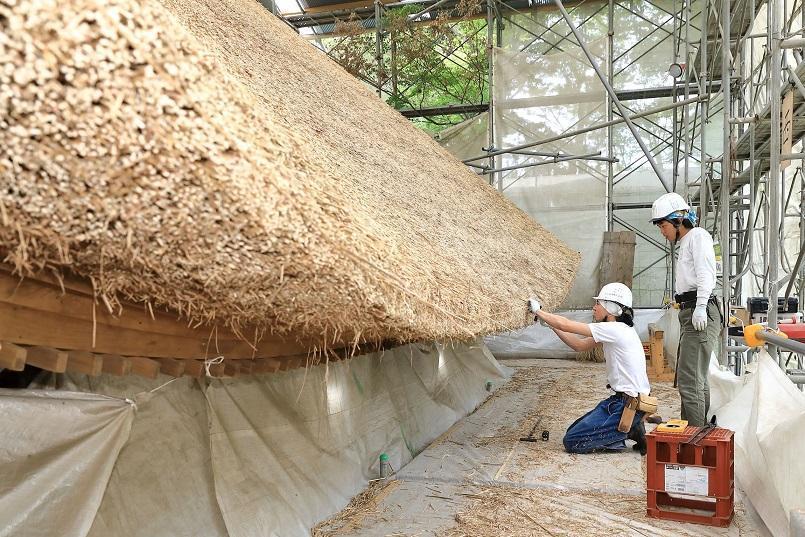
691,482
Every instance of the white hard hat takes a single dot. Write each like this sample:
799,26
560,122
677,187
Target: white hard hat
616,292
666,205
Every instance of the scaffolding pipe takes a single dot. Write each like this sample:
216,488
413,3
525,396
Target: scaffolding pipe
704,108
795,42
686,109
794,272
774,164
779,341
555,160
726,175
379,46
610,146
753,216
490,118
415,16
591,128
613,96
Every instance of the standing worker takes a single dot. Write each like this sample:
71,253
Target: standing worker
620,416
699,315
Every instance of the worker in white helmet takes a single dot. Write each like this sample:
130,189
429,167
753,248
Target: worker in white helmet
699,316
616,418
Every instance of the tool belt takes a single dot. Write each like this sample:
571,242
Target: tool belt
688,300
642,403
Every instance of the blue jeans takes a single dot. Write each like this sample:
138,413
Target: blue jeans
597,430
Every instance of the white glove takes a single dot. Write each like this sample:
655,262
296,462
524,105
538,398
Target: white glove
700,317
533,305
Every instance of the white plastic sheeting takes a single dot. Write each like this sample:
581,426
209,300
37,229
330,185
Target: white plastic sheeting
669,324
767,413
263,455
56,453
543,87
312,455
541,96
537,341
162,482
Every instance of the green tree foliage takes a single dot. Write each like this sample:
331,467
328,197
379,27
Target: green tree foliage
432,63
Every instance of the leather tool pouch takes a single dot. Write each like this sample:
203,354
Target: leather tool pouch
646,403
629,409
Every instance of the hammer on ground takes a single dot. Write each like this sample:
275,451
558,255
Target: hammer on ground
530,437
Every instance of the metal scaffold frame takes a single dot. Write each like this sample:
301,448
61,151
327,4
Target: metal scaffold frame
737,72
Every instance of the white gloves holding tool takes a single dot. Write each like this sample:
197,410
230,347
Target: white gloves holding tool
534,305
699,318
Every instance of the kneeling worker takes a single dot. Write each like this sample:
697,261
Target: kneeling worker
616,418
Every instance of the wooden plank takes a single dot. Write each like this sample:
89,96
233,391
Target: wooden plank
169,366
83,362
217,370
48,358
12,356
617,258
133,333
145,367
231,368
194,368
266,365
292,363
115,364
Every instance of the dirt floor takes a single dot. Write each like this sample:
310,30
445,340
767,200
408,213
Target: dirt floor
479,479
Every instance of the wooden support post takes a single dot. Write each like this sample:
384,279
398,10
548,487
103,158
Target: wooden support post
657,369
48,358
194,368
116,365
144,367
12,356
617,258
85,363
169,366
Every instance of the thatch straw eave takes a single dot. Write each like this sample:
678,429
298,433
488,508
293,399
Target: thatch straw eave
201,157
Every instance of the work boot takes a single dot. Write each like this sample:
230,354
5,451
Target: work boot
654,418
638,434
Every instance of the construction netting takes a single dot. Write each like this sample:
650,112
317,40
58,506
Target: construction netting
545,89
262,455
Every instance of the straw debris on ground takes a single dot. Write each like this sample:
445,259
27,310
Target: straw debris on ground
508,512
200,156
360,506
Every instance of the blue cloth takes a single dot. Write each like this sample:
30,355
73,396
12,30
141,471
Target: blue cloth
597,430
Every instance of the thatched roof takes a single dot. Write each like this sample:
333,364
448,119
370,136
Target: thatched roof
198,155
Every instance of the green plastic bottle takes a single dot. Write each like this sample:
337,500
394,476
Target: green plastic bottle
385,467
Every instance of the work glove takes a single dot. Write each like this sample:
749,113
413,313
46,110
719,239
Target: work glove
533,305
700,317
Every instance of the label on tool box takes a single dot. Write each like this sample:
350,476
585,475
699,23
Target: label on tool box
686,479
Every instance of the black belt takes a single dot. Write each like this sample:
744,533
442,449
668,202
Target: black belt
688,299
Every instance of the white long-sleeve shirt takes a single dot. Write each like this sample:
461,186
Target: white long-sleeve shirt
696,267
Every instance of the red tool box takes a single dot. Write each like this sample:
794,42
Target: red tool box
690,475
